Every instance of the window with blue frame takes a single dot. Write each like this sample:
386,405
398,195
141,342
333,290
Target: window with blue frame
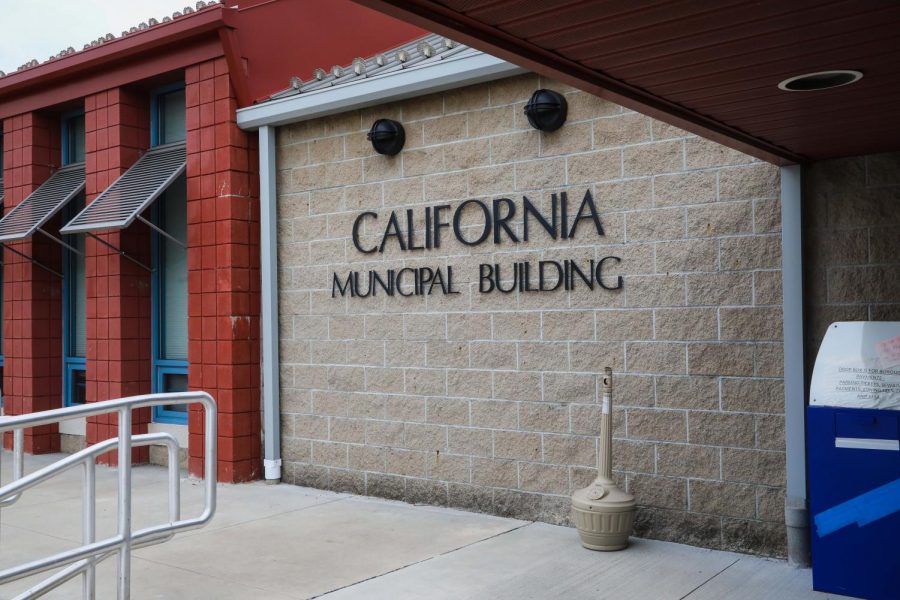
169,294
170,300
73,138
168,115
74,282
74,313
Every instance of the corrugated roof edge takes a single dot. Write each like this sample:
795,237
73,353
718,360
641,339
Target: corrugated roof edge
414,53
427,65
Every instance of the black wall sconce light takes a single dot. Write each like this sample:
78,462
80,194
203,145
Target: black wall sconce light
387,137
546,110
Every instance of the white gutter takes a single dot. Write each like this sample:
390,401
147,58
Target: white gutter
427,78
796,517
268,225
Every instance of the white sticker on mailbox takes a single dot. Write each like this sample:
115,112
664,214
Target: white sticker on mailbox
858,366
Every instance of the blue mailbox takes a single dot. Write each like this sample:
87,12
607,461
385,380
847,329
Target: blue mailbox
853,450
854,501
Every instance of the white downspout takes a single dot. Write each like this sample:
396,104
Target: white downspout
268,224
796,517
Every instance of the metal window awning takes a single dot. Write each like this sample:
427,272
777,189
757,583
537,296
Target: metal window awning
30,215
130,195
34,211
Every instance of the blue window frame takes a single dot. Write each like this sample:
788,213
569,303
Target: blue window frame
171,379
169,301
167,115
169,278
74,314
72,129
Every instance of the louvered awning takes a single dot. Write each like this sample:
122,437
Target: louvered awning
133,192
30,215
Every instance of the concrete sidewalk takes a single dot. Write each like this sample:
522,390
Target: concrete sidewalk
281,542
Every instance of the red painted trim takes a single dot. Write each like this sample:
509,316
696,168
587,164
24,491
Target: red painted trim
236,67
280,39
435,17
104,56
264,43
174,58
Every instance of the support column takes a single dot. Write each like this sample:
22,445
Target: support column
117,131
796,517
32,341
223,272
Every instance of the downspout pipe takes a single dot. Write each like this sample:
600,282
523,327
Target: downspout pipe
796,514
268,238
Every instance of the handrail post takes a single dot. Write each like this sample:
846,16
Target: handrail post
124,587
18,453
210,441
88,525
174,485
18,460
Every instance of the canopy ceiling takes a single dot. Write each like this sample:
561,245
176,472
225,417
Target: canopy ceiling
709,66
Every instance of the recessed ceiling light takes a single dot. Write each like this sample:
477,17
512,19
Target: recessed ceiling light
823,80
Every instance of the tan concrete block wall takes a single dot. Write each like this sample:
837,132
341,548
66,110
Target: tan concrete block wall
489,401
851,243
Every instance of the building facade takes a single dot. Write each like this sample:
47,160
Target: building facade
484,394
426,325
481,391
116,283
444,313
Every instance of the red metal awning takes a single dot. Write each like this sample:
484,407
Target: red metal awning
708,66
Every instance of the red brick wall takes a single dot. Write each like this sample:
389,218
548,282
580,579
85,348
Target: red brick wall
117,131
223,272
32,317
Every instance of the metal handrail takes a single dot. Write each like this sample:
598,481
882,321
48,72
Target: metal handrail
85,458
83,560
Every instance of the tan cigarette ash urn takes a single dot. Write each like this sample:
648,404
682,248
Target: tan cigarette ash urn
604,514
